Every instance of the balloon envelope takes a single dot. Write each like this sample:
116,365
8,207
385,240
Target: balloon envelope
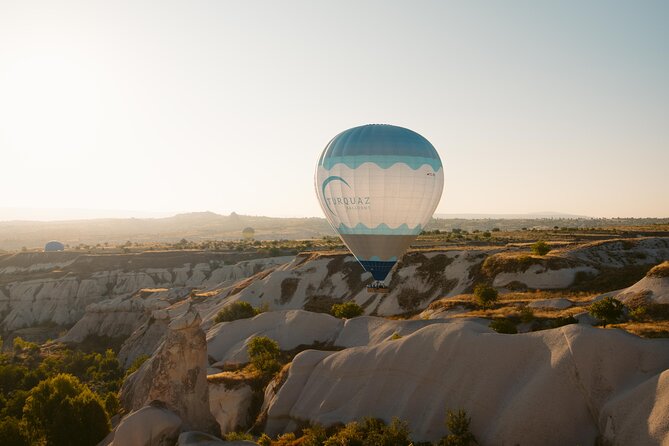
378,186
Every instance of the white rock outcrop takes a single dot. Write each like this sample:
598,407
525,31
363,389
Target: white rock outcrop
176,375
227,341
47,295
230,406
553,387
652,289
152,425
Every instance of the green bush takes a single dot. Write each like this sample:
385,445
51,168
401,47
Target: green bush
264,440
64,412
503,325
485,294
12,433
234,311
238,436
347,310
540,248
608,310
458,426
264,354
561,321
315,435
526,314
371,432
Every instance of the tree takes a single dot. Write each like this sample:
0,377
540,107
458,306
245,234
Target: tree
485,294
234,311
609,310
347,310
12,434
264,354
458,426
64,412
540,248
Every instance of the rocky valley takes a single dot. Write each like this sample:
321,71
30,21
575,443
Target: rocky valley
422,349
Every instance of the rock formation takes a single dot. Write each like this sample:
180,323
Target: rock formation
176,375
152,425
553,387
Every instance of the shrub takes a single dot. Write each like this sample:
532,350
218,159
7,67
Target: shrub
485,294
12,433
540,248
372,432
264,440
562,321
608,310
63,411
238,436
526,314
347,310
315,435
234,311
264,354
503,325
458,426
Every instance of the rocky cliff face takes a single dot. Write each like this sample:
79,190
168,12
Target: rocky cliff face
57,288
176,374
316,281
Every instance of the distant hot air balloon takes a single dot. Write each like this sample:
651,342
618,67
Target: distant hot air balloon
53,246
248,232
378,186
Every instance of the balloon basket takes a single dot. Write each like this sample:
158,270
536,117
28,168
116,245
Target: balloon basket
378,287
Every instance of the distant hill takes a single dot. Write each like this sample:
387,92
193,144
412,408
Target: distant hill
533,215
200,226
194,226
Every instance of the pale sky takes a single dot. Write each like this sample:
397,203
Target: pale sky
226,106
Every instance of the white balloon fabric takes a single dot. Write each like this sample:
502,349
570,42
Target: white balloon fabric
378,186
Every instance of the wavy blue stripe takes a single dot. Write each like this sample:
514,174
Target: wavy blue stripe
382,229
383,161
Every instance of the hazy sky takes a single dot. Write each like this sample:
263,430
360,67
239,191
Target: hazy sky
226,106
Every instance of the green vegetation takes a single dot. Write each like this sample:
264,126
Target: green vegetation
485,295
237,310
503,325
540,248
62,411
45,397
264,354
238,436
371,432
346,310
608,310
458,426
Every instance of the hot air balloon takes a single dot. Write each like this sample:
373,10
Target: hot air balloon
248,232
378,186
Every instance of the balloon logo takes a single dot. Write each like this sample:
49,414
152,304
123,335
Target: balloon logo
378,186
326,182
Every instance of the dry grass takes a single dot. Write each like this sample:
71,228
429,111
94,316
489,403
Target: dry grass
653,329
661,270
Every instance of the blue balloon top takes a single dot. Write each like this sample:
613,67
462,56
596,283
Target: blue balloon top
381,144
54,245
